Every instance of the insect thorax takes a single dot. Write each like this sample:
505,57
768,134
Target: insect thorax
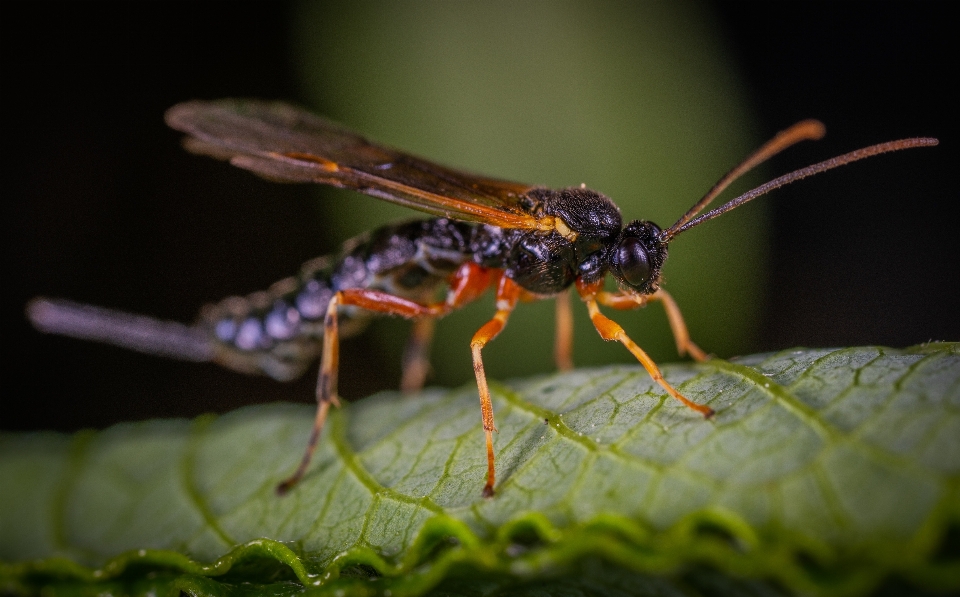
546,262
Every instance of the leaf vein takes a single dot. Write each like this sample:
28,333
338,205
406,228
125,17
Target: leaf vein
197,430
351,461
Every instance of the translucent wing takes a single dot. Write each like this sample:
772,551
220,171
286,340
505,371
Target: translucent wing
286,143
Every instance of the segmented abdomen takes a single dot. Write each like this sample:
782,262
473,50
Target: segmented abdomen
277,331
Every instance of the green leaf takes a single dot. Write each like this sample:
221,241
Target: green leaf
826,471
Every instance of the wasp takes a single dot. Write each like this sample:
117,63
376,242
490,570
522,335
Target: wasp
523,242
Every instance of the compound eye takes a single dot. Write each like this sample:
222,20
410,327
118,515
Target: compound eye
633,263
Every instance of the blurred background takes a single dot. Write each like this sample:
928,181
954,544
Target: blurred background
649,103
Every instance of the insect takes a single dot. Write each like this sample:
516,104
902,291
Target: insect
523,242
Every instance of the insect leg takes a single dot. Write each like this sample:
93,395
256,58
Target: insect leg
680,334
326,391
679,328
563,337
507,294
416,355
466,284
371,300
610,330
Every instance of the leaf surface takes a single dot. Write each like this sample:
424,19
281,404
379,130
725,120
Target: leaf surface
827,470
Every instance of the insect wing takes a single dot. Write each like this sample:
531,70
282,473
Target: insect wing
286,143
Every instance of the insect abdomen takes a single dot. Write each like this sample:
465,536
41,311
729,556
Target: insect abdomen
276,332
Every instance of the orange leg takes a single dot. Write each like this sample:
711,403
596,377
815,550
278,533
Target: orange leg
680,334
507,294
371,300
563,338
610,330
466,285
416,356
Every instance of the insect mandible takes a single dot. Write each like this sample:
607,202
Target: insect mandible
524,242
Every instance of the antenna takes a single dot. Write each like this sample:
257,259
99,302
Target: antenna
685,223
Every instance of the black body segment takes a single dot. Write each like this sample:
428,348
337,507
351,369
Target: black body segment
547,262
277,332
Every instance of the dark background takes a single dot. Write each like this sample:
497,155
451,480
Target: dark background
871,258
